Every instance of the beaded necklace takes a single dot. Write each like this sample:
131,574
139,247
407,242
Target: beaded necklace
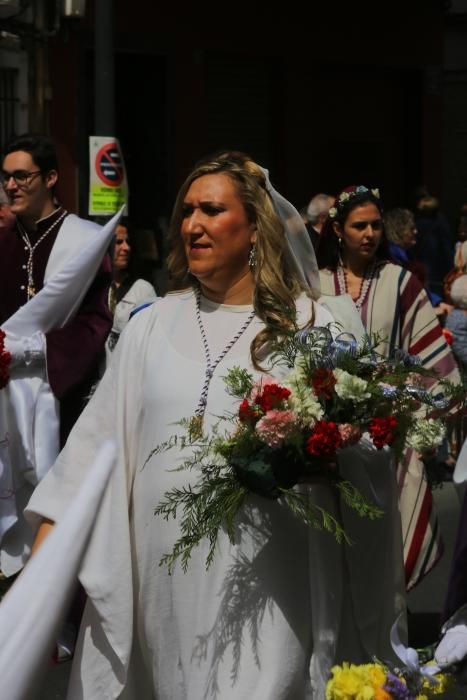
364,285
196,422
31,289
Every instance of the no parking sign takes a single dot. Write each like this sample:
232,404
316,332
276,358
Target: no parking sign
108,188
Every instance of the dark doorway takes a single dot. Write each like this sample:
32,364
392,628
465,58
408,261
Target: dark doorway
141,122
141,127
366,127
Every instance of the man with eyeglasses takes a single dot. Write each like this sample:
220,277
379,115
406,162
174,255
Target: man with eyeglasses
65,360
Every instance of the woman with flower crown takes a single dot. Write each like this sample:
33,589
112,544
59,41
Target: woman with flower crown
353,258
275,610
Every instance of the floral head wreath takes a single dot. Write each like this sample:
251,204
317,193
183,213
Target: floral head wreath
347,194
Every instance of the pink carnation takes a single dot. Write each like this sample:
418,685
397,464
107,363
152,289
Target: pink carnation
350,434
274,426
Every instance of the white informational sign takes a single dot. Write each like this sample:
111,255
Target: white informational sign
108,187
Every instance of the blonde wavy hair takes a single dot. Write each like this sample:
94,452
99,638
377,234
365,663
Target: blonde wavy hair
276,278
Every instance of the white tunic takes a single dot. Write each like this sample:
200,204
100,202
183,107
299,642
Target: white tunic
270,610
29,412
140,292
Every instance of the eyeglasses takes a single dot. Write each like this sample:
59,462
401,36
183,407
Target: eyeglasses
23,178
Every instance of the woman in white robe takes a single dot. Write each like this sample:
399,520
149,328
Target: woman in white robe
126,291
279,607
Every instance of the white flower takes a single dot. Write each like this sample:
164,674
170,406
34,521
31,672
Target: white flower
344,197
426,434
295,378
375,192
348,386
307,409
332,212
302,400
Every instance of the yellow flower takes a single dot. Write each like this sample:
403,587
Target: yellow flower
377,675
443,684
352,682
344,684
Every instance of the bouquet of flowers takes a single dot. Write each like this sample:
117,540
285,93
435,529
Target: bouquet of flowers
291,430
409,680
376,681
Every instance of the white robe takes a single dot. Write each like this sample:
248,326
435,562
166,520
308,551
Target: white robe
140,292
273,609
29,412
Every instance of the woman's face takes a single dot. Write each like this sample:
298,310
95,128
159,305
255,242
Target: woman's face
121,249
409,235
361,233
216,232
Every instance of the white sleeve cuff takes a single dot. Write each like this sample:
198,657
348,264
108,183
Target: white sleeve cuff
34,348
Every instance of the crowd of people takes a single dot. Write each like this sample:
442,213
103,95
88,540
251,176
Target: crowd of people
115,360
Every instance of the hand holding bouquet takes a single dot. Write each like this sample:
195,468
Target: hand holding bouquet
410,679
290,430
376,681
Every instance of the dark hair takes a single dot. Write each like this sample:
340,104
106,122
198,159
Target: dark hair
40,147
327,252
131,273
129,227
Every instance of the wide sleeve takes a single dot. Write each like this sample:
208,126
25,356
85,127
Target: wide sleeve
74,350
96,424
105,640
421,333
360,590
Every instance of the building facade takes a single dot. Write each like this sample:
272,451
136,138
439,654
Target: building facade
323,96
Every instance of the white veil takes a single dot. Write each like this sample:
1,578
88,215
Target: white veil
297,237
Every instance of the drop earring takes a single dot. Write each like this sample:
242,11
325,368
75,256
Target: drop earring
252,257
340,250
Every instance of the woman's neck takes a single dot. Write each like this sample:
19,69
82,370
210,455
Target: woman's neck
355,266
239,293
119,276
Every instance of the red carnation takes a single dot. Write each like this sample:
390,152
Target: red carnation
271,397
245,412
382,431
324,440
323,382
